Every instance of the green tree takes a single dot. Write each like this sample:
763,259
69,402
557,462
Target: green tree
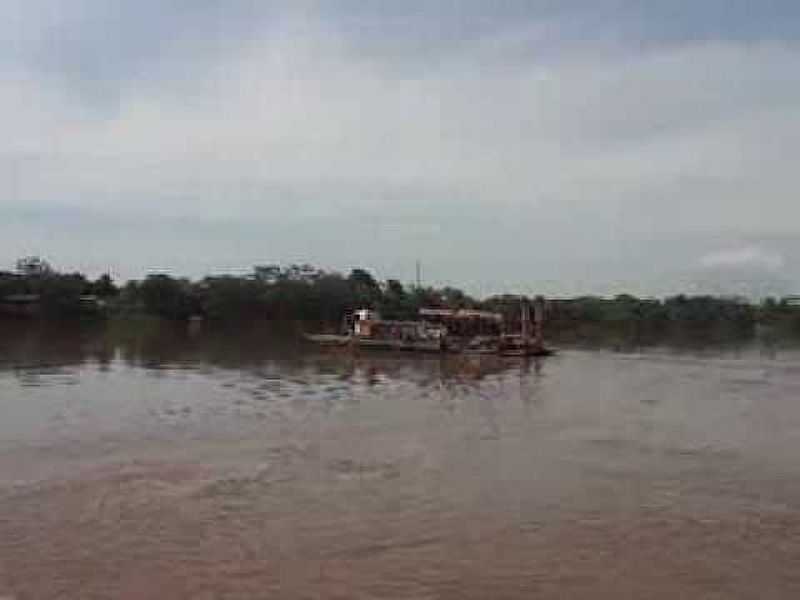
231,298
61,294
104,287
166,297
366,290
396,302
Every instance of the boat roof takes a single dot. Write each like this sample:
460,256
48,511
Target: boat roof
460,314
398,323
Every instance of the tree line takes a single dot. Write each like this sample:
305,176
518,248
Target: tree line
307,293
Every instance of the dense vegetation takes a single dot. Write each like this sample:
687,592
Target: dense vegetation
36,285
305,293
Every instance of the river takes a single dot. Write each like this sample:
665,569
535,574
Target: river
226,465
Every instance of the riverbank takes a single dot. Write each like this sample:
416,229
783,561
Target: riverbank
306,294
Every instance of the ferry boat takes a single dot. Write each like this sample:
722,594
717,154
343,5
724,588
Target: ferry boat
442,330
369,330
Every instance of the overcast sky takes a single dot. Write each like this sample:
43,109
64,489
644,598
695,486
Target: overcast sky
553,146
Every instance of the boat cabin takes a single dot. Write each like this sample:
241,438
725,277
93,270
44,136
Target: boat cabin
465,323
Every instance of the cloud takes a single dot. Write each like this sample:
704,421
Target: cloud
747,257
502,147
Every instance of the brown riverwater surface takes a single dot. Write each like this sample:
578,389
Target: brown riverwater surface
216,466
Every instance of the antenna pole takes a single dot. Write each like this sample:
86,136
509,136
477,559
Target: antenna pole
525,318
538,320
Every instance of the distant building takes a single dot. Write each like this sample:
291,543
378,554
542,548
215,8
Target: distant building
267,273
272,274
306,273
791,300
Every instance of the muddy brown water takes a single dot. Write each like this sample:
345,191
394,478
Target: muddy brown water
191,465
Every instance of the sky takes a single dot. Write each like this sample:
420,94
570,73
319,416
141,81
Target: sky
541,146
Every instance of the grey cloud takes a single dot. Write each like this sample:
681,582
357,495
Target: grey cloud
568,145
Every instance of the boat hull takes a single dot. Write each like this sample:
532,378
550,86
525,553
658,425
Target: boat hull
331,340
326,339
537,351
427,346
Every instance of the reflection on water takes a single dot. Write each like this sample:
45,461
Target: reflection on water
143,461
154,380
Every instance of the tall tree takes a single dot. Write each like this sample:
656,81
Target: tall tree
365,288
104,287
167,297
